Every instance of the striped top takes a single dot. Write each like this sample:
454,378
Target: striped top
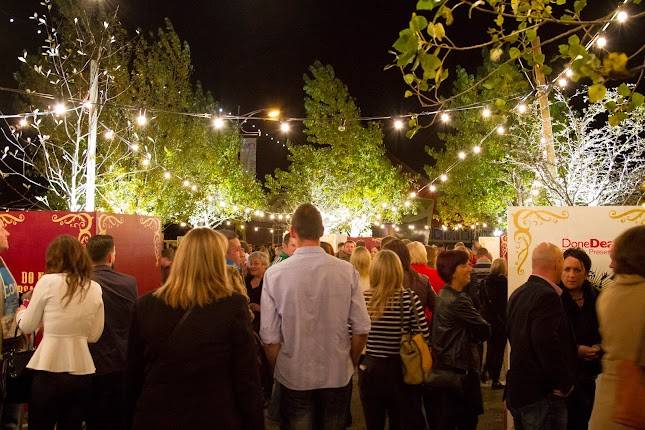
384,339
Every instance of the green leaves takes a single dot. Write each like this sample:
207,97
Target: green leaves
514,53
418,22
597,92
436,31
426,4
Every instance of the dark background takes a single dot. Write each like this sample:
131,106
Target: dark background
252,54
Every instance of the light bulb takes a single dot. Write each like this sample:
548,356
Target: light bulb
271,216
186,183
425,227
145,162
413,195
141,119
622,16
486,113
109,134
247,210
218,122
601,42
477,149
270,230
167,175
60,109
411,226
443,177
228,223
209,198
384,205
462,155
521,108
274,113
285,127
382,225
568,73
241,227
255,229
182,224
407,203
433,188
398,124
134,147
444,228
562,82
23,122
501,130
193,188
445,117
485,225
222,204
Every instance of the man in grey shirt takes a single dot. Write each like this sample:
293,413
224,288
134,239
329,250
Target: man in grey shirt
310,302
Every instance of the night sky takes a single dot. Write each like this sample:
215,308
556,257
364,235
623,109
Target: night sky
252,54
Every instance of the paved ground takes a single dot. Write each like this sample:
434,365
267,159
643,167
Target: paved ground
493,418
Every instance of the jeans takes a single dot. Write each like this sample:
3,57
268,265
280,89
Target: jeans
320,409
383,393
580,404
549,413
58,399
495,352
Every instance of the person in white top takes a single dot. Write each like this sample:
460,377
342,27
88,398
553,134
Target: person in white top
69,307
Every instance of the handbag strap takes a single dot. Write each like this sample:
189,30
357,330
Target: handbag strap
412,309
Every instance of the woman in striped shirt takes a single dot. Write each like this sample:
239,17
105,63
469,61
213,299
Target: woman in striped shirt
391,309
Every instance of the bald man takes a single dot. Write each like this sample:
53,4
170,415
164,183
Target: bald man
543,351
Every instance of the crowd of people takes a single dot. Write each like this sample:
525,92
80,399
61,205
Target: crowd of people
233,336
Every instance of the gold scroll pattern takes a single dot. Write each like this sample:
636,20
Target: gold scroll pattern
8,219
155,225
106,221
523,220
632,215
82,221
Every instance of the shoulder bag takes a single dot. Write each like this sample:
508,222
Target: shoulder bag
415,353
16,378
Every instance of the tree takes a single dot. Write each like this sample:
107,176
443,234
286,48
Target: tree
171,167
343,170
518,32
597,163
480,187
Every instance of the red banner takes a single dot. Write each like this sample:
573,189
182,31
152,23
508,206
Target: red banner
138,241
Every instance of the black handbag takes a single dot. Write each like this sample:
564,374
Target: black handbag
16,378
447,380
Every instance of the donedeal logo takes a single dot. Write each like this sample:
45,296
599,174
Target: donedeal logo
595,246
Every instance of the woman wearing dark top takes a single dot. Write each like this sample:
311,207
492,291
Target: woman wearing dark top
192,358
456,331
413,280
579,300
392,310
495,288
258,263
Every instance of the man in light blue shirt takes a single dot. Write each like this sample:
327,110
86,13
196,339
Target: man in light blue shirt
309,304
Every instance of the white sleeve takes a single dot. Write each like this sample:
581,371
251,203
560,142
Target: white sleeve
29,319
99,319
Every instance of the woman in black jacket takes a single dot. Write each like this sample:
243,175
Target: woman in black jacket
192,357
579,301
457,329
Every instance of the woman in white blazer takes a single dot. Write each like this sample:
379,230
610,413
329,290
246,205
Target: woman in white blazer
69,307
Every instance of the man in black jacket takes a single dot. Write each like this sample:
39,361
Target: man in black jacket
107,405
543,351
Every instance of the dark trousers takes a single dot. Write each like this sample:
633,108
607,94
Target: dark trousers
106,410
448,410
549,413
580,404
58,399
321,409
495,352
383,393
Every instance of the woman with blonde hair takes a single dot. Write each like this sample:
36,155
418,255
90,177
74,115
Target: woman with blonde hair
192,348
361,260
69,307
393,309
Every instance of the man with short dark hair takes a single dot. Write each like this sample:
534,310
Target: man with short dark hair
288,248
235,252
346,251
543,350
107,405
310,302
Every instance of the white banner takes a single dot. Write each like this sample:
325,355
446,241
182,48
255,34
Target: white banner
591,228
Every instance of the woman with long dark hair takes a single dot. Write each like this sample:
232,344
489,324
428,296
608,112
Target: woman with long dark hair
457,329
68,304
